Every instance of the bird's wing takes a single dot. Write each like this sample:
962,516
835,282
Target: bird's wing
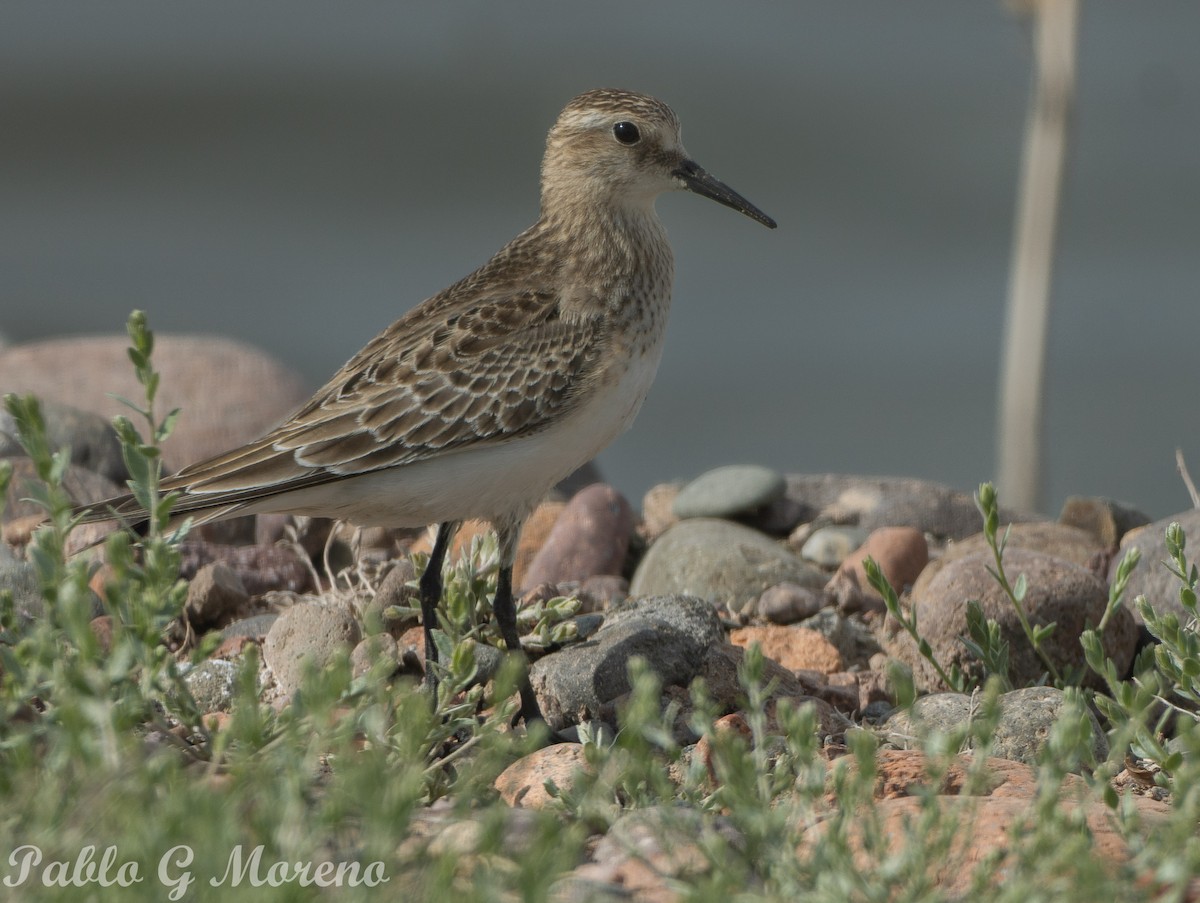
442,377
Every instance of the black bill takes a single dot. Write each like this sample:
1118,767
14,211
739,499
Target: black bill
696,179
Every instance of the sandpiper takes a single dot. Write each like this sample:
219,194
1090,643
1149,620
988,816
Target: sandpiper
478,400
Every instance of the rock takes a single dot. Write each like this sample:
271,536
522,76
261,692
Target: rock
307,632
260,568
91,439
729,492
523,783
658,513
228,392
21,579
985,822
1061,541
1150,578
726,563
1106,519
83,486
719,671
212,685
793,647
373,649
853,639
1026,719
393,590
787,603
901,553
533,536
461,544
671,633
214,594
828,547
871,502
590,537
255,627
649,854
1058,591
603,592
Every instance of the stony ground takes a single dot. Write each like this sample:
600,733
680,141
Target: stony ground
687,579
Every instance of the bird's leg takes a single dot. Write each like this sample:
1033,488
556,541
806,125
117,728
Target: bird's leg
431,595
506,618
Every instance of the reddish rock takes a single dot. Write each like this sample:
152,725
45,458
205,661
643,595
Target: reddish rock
462,539
796,648
523,782
1060,540
590,537
901,553
1059,592
533,536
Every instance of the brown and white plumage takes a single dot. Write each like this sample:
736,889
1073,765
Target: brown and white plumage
478,400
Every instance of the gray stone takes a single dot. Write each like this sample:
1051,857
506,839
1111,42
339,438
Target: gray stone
671,633
853,639
872,502
1150,578
212,685
1106,519
1026,718
255,627
787,603
726,563
307,632
729,491
93,442
21,579
1058,591
393,590
373,649
829,546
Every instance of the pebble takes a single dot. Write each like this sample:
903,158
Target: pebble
900,552
1106,519
228,392
91,439
260,568
1058,591
255,627
83,486
1049,538
726,563
393,590
872,502
533,536
1027,717
373,649
793,647
729,491
307,632
658,513
214,595
212,685
672,633
828,547
523,783
590,537
787,603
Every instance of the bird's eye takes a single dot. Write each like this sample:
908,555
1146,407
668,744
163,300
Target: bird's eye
627,133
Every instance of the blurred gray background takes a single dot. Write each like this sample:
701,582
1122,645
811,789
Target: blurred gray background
299,174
